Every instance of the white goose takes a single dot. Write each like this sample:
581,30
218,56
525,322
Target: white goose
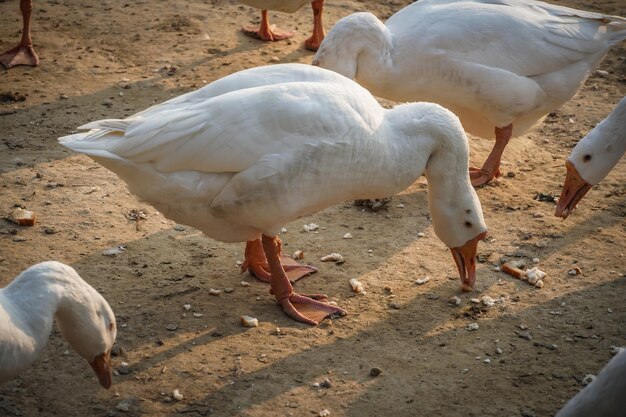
502,64
593,157
269,32
604,396
28,306
250,152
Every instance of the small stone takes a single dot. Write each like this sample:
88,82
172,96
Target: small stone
487,360
283,230
324,413
422,281
487,301
213,291
114,251
454,300
499,351
472,326
347,236
107,103
171,327
375,371
421,234
524,335
588,379
310,227
574,271
187,307
244,283
298,254
179,228
50,230
326,383
124,369
400,205
177,395
274,59
510,174
248,321
197,315
601,73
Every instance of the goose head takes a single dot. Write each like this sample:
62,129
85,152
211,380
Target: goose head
349,40
592,159
459,224
87,322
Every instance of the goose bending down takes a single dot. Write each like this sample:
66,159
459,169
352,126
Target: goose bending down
500,65
271,33
592,159
248,153
604,396
28,306
23,53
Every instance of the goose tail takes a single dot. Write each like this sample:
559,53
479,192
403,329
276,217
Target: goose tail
99,138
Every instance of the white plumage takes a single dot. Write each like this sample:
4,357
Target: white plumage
250,152
593,157
502,64
28,306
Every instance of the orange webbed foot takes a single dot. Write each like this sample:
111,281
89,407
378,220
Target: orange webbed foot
272,33
309,309
480,177
20,55
256,263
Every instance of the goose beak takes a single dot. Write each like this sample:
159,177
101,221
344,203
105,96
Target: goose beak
102,367
465,258
574,189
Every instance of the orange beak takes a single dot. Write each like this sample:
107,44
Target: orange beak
574,189
102,367
465,258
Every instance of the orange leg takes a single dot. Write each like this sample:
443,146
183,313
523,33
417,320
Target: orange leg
23,53
256,263
313,43
491,167
307,309
265,31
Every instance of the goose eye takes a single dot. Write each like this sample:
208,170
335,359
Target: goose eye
468,224
111,326
587,158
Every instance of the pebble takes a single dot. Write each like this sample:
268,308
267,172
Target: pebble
422,281
375,371
487,360
357,286
107,103
333,257
187,307
171,327
213,291
499,351
472,326
179,228
421,234
601,73
588,379
574,271
400,205
177,395
487,301
114,251
19,239
244,283
310,227
124,369
248,321
324,413
347,236
274,59
524,335
326,383
50,230
228,290
454,300
197,315
298,254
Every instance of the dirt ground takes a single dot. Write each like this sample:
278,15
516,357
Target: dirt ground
107,59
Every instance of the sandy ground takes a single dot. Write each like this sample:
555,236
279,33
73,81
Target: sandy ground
102,59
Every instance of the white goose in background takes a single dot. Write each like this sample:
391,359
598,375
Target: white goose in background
604,396
28,306
500,65
243,156
593,157
269,32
